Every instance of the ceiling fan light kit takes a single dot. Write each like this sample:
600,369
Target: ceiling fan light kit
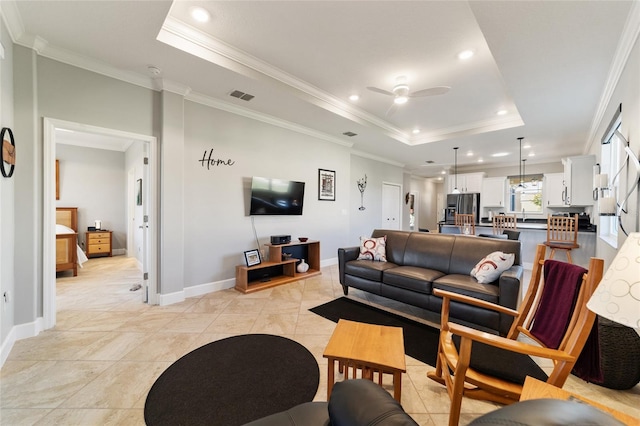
401,93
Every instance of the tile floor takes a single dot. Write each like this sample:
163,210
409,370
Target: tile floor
97,365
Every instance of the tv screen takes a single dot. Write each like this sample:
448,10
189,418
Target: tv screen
276,197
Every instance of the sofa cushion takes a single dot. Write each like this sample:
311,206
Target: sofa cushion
467,252
362,402
491,266
373,249
411,278
367,269
432,251
396,243
469,286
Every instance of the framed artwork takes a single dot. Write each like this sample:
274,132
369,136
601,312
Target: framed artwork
326,185
252,257
139,193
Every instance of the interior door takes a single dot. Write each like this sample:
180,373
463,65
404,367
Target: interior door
391,206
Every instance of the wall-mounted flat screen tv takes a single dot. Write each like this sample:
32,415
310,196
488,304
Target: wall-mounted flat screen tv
276,197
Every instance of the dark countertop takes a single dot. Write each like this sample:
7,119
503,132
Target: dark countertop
529,224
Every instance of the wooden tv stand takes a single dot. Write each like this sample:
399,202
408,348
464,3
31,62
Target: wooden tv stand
276,271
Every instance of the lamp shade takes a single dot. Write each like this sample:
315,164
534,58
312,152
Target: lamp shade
617,297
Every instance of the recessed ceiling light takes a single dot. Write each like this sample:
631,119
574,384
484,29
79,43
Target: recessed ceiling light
532,154
480,160
465,54
502,112
415,131
526,146
354,98
500,154
200,14
444,172
469,153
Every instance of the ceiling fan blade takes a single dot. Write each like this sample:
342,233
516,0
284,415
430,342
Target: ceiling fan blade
382,91
392,109
432,91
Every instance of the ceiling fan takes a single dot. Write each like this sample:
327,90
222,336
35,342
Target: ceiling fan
401,94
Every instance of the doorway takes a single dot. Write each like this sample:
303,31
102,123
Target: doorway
391,207
149,258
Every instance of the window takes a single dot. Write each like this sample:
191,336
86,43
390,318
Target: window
612,147
529,199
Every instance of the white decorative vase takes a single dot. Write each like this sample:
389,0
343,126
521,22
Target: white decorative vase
303,266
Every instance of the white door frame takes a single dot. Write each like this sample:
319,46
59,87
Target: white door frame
49,203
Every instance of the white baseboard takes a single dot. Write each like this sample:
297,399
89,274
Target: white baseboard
19,332
119,252
194,291
329,262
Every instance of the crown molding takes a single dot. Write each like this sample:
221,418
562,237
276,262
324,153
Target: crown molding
628,39
180,35
12,19
486,126
245,112
376,158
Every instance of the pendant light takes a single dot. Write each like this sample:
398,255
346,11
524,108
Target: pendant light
455,171
520,186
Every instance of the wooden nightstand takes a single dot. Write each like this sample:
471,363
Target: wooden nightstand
98,243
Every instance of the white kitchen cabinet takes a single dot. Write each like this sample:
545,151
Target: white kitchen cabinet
493,191
578,178
467,182
554,190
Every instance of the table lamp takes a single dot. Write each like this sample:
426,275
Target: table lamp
617,297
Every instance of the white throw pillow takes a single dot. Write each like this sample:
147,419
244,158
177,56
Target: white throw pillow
373,249
489,269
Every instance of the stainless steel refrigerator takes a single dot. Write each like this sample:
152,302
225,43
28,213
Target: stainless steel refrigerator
468,203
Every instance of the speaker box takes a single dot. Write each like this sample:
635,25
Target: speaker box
280,239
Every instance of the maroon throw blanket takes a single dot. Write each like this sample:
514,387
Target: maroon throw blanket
562,284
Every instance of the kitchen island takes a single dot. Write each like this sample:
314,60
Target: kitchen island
534,232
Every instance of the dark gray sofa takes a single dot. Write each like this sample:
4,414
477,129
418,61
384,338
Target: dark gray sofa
418,262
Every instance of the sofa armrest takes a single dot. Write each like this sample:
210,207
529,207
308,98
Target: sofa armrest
345,255
510,285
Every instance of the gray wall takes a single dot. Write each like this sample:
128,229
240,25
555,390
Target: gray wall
7,190
94,181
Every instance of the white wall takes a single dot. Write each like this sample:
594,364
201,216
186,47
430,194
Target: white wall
217,229
94,181
627,93
362,222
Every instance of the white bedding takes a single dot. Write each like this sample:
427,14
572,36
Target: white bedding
80,257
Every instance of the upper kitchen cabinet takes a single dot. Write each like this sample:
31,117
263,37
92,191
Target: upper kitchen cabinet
493,191
468,182
578,178
554,190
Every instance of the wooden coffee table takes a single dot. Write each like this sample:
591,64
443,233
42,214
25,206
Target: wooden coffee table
369,348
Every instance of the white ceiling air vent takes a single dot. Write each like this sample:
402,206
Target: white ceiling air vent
241,95
350,134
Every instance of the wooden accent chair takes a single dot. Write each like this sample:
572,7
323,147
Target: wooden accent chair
562,234
463,220
500,365
503,223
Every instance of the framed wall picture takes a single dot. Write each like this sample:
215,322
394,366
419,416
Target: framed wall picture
326,185
57,180
8,152
139,193
252,257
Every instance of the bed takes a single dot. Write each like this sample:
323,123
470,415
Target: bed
68,253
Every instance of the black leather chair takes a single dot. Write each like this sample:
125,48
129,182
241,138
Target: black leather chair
353,402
